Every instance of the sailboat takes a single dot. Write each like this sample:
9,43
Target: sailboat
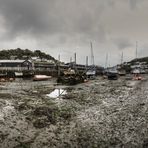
121,70
91,72
110,73
71,76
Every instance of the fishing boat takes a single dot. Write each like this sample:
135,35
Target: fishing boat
41,77
70,77
91,71
28,74
136,73
121,72
112,74
91,74
137,77
3,75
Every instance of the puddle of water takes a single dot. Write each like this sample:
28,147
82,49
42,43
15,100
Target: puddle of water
57,93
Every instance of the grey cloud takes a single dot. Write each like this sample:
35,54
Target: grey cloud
122,43
142,50
111,2
135,3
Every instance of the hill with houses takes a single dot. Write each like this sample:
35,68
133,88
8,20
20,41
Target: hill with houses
140,60
23,54
138,63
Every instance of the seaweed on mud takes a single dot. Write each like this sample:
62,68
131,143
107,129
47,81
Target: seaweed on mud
66,113
40,122
145,143
90,136
89,115
45,115
44,90
69,89
3,136
69,96
7,96
49,112
23,106
23,145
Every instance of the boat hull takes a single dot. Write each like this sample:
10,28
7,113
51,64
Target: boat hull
41,78
70,80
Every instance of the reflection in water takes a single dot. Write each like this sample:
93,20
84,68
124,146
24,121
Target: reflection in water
57,93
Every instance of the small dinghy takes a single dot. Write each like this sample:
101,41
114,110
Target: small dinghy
41,77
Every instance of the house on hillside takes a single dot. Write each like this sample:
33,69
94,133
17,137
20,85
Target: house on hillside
17,65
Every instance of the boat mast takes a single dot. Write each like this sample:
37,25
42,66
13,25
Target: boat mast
92,54
86,60
136,49
59,69
122,58
70,59
75,56
75,62
106,61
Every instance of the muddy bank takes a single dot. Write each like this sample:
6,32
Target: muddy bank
99,113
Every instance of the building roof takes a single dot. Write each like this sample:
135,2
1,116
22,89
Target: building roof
13,61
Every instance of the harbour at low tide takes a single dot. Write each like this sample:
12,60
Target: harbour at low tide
40,109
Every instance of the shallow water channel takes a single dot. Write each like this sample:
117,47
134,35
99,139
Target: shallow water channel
57,93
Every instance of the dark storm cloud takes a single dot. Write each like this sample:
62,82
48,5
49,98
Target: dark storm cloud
40,18
29,16
47,17
68,24
44,18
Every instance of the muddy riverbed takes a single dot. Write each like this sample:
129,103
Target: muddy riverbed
99,113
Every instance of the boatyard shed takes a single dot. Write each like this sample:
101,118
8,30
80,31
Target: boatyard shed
15,65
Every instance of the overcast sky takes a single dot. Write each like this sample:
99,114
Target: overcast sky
68,26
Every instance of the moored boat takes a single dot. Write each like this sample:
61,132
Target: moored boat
112,75
18,74
41,77
70,77
91,74
121,72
